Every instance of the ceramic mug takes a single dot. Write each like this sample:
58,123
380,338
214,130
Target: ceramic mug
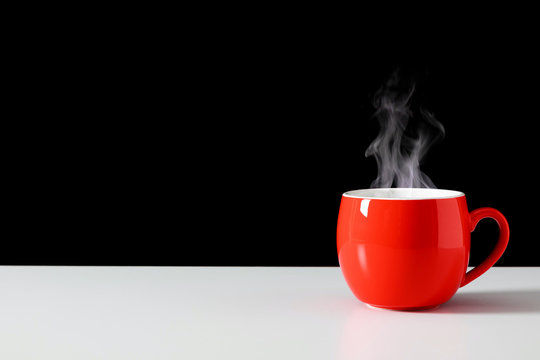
408,249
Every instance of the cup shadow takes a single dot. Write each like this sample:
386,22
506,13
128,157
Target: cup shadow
511,301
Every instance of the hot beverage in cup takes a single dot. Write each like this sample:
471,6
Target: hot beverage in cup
408,248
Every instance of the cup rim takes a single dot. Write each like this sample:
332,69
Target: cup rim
403,194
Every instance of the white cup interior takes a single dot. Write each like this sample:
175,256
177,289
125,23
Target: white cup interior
403,193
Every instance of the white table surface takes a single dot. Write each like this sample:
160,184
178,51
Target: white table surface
254,313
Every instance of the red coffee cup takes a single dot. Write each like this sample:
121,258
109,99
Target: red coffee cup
408,249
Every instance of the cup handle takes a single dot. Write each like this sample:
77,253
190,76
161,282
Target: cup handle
504,235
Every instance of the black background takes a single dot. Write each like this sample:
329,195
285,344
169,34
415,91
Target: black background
231,144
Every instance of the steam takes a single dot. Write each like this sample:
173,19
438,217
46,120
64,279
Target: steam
399,147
